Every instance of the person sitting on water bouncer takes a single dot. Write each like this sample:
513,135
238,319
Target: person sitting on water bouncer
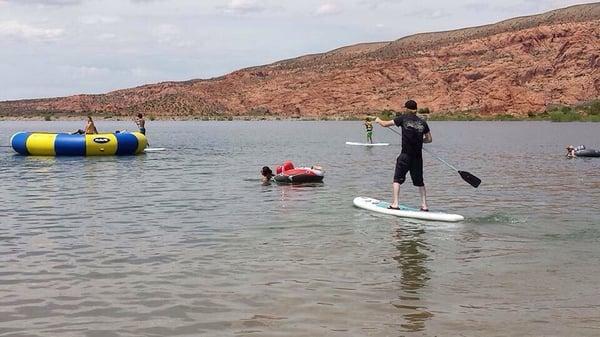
415,132
141,123
90,128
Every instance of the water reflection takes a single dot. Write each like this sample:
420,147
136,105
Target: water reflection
412,258
291,192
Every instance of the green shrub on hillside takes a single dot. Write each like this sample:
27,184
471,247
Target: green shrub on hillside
593,118
504,117
564,114
595,108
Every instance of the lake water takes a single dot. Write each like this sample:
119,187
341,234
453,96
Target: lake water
187,242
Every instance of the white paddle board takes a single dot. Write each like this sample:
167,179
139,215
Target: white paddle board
154,149
404,211
367,144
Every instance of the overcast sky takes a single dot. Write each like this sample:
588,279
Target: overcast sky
62,47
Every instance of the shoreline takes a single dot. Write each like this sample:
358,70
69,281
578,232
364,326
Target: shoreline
457,118
589,112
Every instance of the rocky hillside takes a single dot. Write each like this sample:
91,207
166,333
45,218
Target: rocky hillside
519,66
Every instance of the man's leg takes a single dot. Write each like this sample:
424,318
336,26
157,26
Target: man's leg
396,196
423,194
399,177
416,174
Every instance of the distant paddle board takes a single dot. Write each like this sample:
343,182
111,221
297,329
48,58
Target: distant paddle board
404,211
367,144
154,149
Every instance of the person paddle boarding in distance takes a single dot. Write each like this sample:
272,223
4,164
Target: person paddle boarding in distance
369,127
415,132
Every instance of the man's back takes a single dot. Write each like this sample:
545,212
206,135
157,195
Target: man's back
413,129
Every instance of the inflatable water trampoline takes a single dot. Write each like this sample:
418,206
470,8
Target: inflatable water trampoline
66,144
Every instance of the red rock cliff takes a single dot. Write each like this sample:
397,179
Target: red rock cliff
516,66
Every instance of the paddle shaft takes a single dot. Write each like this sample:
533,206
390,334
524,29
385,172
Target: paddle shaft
466,176
431,153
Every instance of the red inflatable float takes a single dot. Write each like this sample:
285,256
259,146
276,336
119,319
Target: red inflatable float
288,174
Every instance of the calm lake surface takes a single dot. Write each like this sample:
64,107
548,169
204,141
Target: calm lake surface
187,242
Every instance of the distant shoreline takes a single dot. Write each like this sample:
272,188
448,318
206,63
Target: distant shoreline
589,112
564,115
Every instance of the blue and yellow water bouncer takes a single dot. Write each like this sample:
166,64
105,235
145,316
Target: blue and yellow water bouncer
66,144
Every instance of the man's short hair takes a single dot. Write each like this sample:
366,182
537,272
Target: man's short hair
410,105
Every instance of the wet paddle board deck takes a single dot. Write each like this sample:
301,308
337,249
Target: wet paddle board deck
367,144
404,211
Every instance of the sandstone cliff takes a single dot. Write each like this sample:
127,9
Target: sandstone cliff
518,66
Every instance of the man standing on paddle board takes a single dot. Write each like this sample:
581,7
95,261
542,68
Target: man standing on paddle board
415,132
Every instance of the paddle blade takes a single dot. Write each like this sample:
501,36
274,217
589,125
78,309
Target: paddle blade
471,179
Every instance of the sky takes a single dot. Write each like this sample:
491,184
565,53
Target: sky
52,48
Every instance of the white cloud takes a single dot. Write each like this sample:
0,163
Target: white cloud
107,36
46,2
85,72
170,35
98,19
375,4
244,7
143,73
20,31
429,14
328,8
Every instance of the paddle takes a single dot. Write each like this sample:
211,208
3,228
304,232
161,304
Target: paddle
466,176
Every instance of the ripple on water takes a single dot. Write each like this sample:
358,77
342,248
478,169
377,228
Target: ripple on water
188,242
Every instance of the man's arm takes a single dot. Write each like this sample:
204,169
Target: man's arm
427,138
385,124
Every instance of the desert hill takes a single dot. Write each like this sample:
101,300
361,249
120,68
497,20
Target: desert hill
518,66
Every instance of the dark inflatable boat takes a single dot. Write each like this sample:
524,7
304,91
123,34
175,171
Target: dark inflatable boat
587,153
